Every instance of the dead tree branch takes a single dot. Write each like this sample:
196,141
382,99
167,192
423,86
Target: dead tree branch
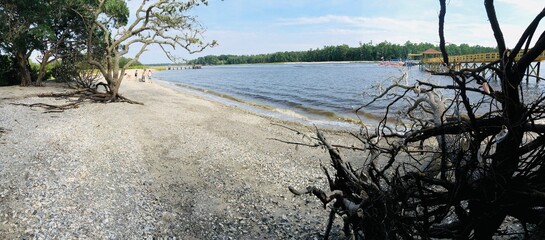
460,160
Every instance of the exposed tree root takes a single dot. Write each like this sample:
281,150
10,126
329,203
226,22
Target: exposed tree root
465,162
76,98
51,108
92,95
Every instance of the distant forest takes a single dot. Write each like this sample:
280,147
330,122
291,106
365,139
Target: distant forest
364,52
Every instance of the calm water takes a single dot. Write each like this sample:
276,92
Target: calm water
310,91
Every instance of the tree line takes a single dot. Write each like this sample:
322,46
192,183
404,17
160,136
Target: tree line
364,52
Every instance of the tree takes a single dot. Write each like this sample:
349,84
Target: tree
62,32
163,22
460,165
26,29
366,51
20,23
125,60
7,71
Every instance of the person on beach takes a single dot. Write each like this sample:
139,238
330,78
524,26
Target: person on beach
143,79
136,75
149,76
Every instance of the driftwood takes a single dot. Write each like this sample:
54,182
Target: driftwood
458,168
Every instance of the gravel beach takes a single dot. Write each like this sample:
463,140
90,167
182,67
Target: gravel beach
178,167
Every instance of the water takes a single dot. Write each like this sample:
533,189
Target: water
314,92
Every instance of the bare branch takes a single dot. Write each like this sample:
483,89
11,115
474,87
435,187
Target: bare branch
442,13
494,24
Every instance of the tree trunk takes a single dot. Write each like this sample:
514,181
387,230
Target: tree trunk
42,71
40,76
22,65
114,85
507,156
504,163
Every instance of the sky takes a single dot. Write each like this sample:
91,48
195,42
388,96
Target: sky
246,27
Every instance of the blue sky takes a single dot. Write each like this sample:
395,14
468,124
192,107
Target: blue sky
266,26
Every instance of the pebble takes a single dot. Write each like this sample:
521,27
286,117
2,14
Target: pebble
143,174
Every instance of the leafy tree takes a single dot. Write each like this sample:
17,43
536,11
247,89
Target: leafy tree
25,29
20,26
62,32
162,22
8,75
124,60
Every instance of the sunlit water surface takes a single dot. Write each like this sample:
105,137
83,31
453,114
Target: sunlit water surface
322,94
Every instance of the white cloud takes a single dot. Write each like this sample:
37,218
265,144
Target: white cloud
530,6
362,24
323,19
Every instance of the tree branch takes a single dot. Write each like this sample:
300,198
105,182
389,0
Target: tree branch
494,24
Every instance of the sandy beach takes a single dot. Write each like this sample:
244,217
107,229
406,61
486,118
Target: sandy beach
179,166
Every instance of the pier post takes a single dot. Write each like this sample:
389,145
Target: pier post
536,69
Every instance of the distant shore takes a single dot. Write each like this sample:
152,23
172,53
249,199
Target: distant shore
327,62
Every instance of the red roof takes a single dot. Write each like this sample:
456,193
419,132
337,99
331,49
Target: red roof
431,51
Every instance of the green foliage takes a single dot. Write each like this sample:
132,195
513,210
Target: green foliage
34,68
52,27
20,23
8,75
57,28
75,72
66,70
364,52
135,64
49,69
118,10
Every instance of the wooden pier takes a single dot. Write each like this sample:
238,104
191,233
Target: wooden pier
431,60
182,67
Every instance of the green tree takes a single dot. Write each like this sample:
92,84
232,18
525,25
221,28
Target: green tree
363,52
161,22
63,32
21,23
24,29
8,75
124,60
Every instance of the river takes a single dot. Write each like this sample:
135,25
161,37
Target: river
321,94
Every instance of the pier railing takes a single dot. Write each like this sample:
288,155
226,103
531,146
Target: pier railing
473,61
476,58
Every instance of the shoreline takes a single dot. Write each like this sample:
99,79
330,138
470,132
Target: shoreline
331,122
180,165
338,118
